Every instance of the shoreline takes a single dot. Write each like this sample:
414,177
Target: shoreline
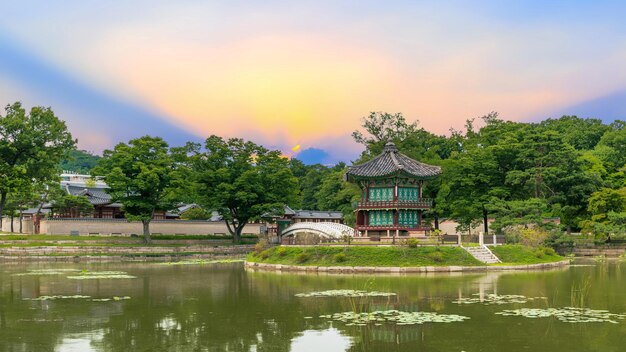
397,269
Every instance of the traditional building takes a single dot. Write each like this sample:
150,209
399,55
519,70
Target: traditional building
277,222
392,202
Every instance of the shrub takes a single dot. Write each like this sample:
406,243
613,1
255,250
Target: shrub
436,256
340,257
412,242
303,257
261,246
281,251
539,253
265,254
549,251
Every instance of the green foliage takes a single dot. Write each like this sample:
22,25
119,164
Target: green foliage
519,254
302,257
31,147
530,237
241,180
412,242
367,256
79,205
142,176
196,213
262,245
79,161
281,251
436,257
340,257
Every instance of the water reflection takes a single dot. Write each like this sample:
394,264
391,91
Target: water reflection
327,340
225,308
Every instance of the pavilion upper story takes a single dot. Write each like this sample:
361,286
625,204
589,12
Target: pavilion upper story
392,188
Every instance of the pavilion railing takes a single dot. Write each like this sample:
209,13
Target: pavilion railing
418,203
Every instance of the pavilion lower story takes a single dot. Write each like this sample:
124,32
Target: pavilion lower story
390,222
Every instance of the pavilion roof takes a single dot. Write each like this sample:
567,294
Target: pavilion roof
390,163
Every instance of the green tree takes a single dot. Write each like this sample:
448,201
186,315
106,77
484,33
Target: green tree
31,148
80,161
338,195
379,128
141,175
196,213
241,180
68,203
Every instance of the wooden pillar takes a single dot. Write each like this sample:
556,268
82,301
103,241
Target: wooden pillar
395,191
421,184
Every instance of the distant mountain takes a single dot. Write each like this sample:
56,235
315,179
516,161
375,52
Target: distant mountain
80,161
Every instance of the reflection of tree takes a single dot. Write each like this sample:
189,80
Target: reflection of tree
224,308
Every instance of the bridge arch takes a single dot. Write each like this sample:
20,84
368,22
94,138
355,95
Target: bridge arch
329,231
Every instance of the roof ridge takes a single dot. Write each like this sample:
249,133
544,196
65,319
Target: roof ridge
394,159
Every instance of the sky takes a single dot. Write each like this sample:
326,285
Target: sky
299,76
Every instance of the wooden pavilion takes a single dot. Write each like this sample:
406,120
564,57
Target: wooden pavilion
392,202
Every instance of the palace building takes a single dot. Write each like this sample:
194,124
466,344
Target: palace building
392,202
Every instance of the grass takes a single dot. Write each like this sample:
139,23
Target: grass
155,237
518,254
365,256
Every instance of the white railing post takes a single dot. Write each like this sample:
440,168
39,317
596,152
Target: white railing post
481,238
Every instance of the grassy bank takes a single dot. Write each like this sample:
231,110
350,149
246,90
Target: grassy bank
518,254
396,256
365,256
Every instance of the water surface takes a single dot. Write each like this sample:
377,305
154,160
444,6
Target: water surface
222,307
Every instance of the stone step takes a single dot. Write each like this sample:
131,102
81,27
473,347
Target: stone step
482,254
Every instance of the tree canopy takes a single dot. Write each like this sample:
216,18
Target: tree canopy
241,180
141,175
31,147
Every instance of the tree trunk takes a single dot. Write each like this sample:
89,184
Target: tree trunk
146,232
21,220
485,221
436,222
3,200
12,218
569,229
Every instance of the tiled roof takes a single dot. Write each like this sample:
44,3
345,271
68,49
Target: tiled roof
317,214
391,162
96,196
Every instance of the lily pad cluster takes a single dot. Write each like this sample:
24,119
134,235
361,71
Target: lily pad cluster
393,316
56,297
567,314
493,298
203,261
92,275
346,293
40,272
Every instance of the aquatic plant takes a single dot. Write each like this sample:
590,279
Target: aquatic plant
493,298
567,314
202,261
114,298
38,272
92,275
393,316
52,298
56,297
345,293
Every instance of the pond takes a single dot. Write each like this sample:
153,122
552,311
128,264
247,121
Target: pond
222,307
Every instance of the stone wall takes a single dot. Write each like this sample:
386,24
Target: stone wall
27,225
123,227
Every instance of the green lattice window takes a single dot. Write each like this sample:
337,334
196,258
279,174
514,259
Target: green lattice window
378,194
408,193
409,218
381,218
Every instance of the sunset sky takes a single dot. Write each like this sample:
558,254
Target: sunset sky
299,75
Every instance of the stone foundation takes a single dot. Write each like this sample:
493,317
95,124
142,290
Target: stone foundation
400,270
